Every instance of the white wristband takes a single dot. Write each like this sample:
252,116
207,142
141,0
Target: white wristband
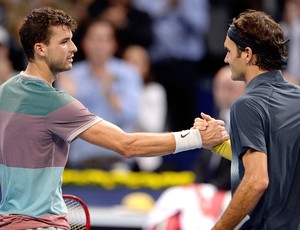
187,139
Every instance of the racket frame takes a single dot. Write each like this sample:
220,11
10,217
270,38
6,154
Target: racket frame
84,206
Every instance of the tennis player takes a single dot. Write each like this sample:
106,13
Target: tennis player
38,122
265,129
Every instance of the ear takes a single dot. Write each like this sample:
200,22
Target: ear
249,54
40,49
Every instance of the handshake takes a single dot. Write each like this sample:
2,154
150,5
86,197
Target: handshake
214,135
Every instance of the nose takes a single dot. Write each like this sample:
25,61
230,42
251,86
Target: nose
73,47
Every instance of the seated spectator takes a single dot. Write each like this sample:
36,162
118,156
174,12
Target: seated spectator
109,87
152,110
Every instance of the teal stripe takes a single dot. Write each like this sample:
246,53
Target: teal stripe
32,192
34,97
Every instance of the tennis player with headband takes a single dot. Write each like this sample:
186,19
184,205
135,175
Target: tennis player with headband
265,124
38,122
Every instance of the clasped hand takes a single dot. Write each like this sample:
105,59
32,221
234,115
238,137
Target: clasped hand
212,131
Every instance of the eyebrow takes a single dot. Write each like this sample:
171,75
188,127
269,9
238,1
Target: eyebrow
64,39
67,37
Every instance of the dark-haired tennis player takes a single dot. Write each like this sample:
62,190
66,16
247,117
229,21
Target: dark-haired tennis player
265,129
37,123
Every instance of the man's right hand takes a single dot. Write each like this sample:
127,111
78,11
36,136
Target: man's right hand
215,132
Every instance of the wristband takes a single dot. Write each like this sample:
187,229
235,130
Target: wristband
187,139
223,149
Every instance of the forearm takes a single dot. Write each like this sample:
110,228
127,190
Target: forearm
109,136
253,185
242,203
156,144
148,144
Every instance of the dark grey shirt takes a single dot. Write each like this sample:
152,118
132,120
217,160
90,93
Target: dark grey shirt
267,118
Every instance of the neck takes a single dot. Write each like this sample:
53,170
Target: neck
36,69
252,73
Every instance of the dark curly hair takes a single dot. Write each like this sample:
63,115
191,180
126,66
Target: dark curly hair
36,27
259,29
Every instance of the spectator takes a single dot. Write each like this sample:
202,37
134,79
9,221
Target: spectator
152,109
179,28
225,91
107,86
132,26
6,67
179,46
291,26
212,168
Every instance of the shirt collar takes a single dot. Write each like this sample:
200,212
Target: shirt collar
268,77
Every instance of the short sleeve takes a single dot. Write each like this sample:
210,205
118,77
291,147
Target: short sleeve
248,119
71,119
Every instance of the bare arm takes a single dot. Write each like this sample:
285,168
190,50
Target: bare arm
110,136
248,193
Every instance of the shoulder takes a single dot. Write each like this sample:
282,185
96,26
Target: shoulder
56,99
249,104
245,100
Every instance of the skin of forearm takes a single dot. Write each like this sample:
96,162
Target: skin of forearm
244,200
110,136
149,144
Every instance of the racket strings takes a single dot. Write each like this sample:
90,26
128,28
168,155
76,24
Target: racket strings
76,214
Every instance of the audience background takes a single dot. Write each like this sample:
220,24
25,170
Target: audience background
132,26
184,39
212,168
291,25
179,29
108,86
152,109
6,66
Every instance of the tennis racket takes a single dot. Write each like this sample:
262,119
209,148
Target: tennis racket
78,214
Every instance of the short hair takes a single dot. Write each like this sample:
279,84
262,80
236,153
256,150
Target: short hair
263,35
36,27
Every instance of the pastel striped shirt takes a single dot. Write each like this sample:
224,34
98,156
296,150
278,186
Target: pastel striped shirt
37,124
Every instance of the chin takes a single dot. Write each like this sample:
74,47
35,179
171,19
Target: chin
68,68
62,70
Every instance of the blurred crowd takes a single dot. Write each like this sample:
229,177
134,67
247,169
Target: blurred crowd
149,66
